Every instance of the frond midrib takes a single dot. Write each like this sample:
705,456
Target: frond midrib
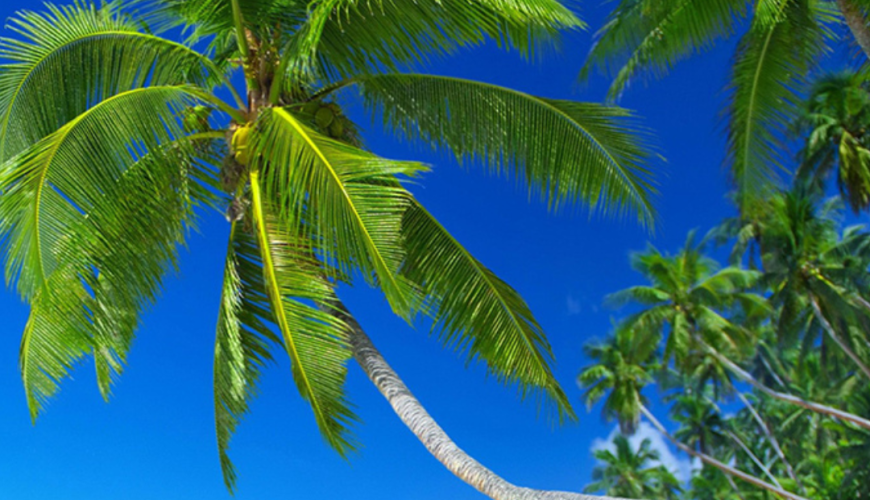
275,295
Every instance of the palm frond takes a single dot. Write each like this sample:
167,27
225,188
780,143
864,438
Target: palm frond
352,202
478,312
392,34
88,54
315,341
565,151
110,265
771,64
653,35
243,343
55,183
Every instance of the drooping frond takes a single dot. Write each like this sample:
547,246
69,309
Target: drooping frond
87,55
772,62
243,342
391,34
565,151
651,36
109,267
314,340
352,200
55,338
57,182
272,281
478,312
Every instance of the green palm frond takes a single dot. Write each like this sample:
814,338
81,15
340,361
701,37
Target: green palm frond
55,338
88,54
314,340
352,200
653,35
565,151
477,311
53,184
646,295
772,61
109,268
243,343
391,34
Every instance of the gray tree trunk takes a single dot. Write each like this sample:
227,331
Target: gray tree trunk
788,398
707,459
857,24
433,437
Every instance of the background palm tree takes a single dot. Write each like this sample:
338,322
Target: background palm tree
834,121
780,42
105,166
631,473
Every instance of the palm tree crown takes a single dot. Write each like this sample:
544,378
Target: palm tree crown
113,136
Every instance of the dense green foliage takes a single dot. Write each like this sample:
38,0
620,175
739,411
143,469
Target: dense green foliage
762,360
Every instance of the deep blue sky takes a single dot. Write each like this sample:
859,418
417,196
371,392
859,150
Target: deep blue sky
156,438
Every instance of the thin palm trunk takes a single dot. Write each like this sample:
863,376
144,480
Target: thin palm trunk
734,487
788,398
836,338
857,24
433,437
774,443
707,459
757,461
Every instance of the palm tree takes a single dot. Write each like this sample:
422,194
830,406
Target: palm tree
835,119
629,473
817,275
621,371
684,303
782,42
112,137
618,372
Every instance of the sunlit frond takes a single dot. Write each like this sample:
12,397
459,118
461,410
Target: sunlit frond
88,54
565,151
352,200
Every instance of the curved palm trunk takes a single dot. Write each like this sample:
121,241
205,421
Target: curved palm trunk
433,437
788,398
774,443
857,24
707,459
836,338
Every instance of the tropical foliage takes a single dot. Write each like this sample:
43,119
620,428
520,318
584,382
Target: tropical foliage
763,362
780,43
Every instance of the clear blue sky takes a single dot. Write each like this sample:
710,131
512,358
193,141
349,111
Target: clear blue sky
156,438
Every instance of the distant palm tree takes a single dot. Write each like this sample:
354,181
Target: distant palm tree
111,137
630,473
618,373
836,122
780,42
684,304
